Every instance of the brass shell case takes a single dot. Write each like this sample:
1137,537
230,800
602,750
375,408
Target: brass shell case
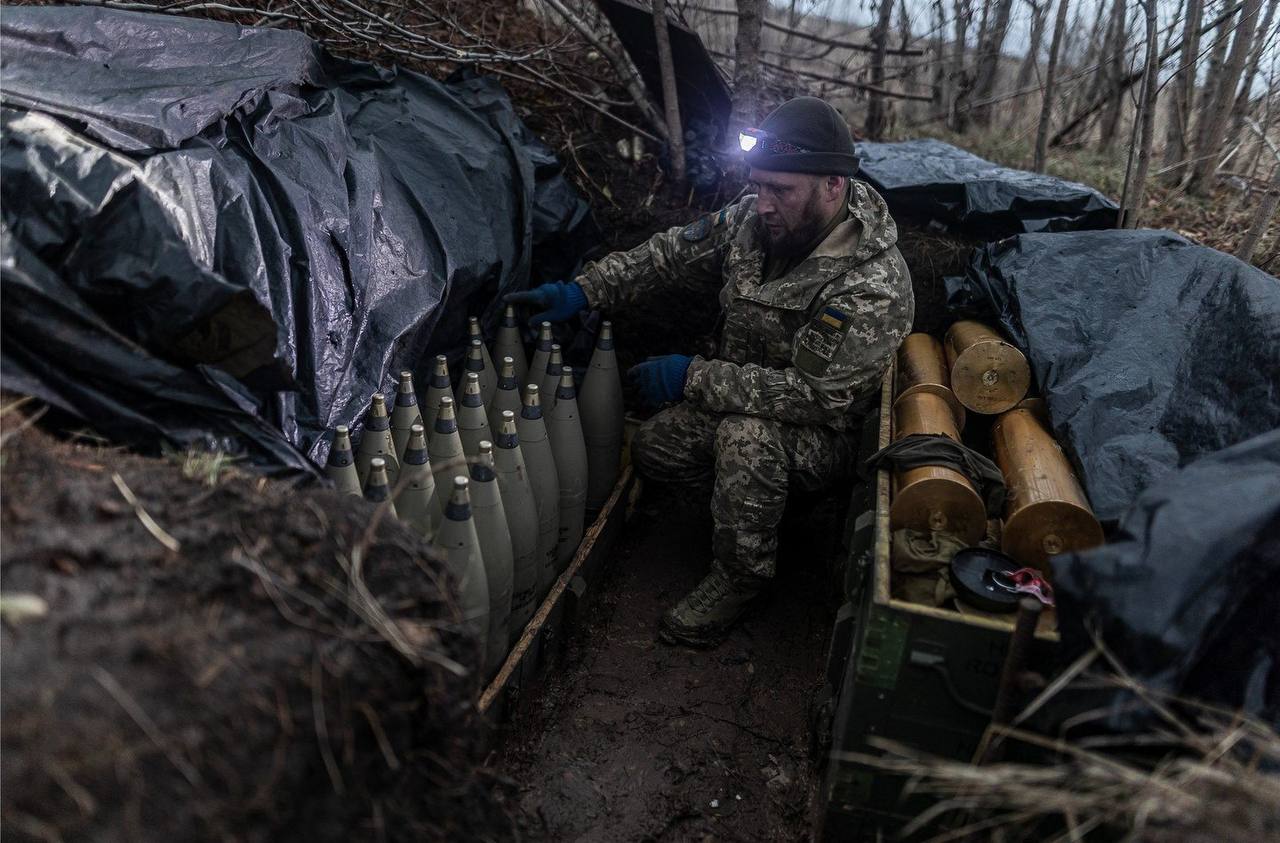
1047,512
922,367
988,375
933,497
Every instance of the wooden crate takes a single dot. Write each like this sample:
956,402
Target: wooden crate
920,675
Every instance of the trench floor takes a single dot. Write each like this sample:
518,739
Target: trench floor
635,740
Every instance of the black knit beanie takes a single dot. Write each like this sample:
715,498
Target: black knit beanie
812,124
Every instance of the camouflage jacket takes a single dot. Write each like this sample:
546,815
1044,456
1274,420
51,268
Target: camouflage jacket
807,348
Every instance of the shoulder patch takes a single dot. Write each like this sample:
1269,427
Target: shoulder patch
820,339
697,230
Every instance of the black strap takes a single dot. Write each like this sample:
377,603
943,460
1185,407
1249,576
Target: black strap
921,449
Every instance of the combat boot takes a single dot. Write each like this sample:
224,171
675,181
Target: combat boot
705,615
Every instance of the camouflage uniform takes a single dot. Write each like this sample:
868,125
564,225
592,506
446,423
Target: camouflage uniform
799,361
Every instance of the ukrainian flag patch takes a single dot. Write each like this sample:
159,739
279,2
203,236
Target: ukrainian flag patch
833,317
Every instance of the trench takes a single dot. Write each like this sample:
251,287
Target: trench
632,739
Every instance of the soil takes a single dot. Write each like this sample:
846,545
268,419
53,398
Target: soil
636,740
236,687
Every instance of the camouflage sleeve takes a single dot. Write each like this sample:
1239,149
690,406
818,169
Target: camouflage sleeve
679,259
838,358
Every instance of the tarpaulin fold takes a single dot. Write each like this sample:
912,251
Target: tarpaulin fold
934,185
254,234
1149,350
1186,596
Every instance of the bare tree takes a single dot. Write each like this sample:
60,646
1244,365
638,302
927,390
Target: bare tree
1207,153
989,59
1209,92
1135,184
1261,218
1245,96
1183,88
670,98
746,63
1111,76
941,84
625,70
1032,58
877,109
1050,77
961,81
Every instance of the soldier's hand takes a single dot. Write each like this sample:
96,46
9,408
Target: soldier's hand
660,379
558,301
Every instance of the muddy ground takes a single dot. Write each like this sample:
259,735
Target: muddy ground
635,740
194,653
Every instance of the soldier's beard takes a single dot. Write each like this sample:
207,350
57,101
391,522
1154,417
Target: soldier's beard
793,241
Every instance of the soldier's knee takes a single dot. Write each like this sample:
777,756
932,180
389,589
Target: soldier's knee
646,449
747,435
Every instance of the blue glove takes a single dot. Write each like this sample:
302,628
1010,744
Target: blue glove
560,301
660,379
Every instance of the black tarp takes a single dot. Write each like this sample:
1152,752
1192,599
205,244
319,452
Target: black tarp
1187,593
705,99
222,234
1150,350
934,185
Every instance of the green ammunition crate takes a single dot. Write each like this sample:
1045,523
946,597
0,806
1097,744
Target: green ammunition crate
921,676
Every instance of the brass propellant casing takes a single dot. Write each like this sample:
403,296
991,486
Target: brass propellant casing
988,374
1046,512
933,497
922,367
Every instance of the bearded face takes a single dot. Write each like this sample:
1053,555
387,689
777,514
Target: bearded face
793,209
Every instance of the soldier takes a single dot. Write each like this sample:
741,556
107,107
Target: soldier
815,299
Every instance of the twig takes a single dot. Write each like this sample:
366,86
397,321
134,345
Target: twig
322,727
148,522
145,723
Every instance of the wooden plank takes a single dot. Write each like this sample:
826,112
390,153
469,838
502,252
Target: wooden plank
533,649
881,556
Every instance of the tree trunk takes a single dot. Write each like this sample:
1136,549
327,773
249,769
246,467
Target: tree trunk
941,84
961,82
1183,89
1241,107
670,99
1110,123
1050,77
1032,58
1206,158
746,63
877,111
789,39
1212,77
989,60
1131,207
1089,109
1261,219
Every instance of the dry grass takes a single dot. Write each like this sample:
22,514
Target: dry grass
1199,774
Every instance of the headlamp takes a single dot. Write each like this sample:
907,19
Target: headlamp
749,139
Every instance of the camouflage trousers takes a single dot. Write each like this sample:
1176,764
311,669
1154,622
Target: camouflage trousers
753,462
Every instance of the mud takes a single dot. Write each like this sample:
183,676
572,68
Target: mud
635,740
286,669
